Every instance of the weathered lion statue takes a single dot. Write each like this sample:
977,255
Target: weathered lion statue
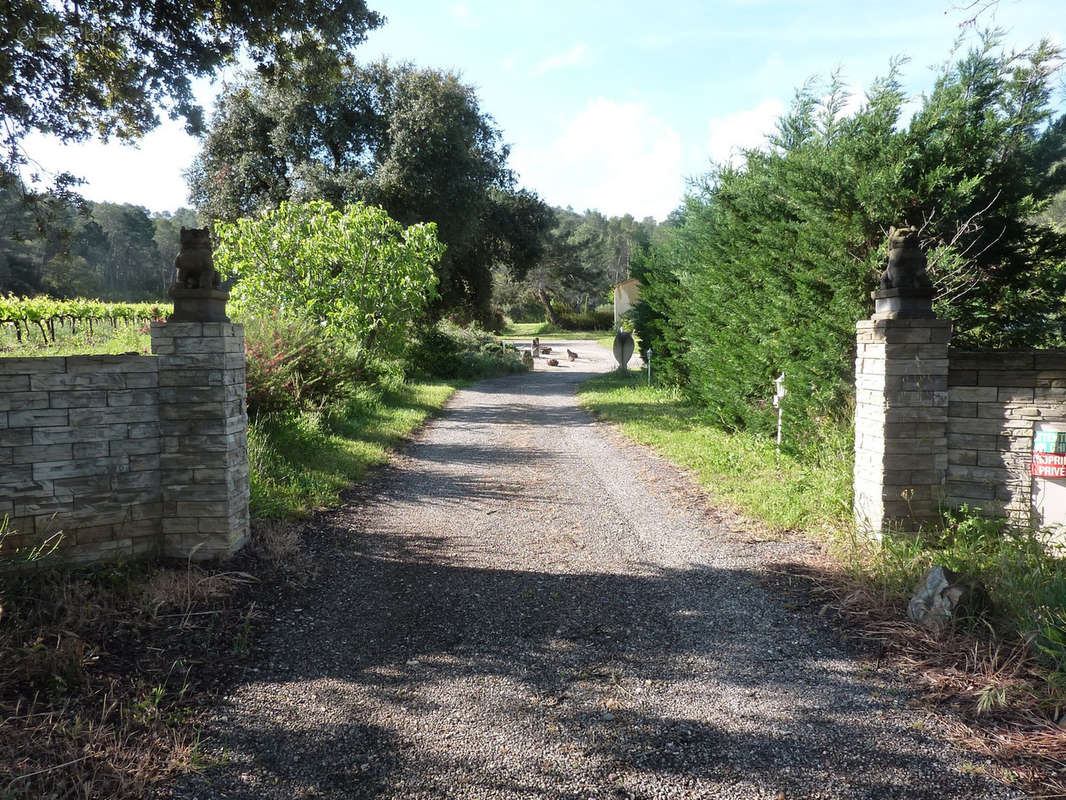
906,262
194,267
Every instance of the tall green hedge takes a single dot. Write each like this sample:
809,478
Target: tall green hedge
771,261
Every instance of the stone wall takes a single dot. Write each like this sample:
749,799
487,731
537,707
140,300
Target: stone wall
128,455
901,409
996,400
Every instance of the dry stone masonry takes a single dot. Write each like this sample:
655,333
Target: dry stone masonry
128,455
901,413
937,427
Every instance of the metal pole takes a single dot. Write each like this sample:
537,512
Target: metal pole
649,366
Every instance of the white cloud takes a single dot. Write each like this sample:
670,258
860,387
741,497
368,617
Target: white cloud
463,15
577,54
148,175
748,128
615,157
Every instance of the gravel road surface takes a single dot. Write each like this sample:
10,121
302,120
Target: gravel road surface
525,606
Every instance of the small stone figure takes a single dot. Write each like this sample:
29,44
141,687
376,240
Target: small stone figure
570,354
194,267
527,359
545,350
536,347
906,262
553,362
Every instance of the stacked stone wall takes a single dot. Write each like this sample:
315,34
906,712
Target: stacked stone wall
79,445
901,412
128,455
996,401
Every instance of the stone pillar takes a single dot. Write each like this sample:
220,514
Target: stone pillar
901,410
203,430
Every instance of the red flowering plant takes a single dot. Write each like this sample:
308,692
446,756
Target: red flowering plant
294,366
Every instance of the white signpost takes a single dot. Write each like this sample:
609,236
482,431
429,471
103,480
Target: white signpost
779,393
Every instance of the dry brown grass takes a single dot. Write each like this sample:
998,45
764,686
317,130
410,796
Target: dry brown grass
998,700
103,672
180,590
280,544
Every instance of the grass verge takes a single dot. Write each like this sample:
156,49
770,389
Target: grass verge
301,463
746,471
102,339
1000,672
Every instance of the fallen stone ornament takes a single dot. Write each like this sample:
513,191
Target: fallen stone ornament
553,362
943,595
623,349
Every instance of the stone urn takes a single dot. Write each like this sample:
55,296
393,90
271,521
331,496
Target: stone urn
623,348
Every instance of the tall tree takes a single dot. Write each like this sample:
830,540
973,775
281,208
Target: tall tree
413,141
77,69
771,263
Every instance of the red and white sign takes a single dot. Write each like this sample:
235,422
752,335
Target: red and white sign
1049,465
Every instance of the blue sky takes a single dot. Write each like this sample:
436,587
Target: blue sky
613,106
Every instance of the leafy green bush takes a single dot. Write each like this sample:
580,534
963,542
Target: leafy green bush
446,350
294,366
599,319
356,273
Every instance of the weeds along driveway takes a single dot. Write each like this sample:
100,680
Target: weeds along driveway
522,605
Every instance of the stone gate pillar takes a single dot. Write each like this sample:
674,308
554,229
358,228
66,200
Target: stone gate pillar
203,430
901,403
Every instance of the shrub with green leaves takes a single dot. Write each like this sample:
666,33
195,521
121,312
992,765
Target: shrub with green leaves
357,273
771,261
294,366
598,319
446,350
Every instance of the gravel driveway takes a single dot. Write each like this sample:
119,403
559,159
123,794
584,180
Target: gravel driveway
524,606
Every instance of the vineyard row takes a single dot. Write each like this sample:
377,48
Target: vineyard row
47,313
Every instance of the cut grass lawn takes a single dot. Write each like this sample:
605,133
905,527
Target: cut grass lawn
303,463
527,330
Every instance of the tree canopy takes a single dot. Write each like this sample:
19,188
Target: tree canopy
413,141
578,259
105,68
355,272
69,248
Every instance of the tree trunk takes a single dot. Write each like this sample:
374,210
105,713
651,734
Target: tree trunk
553,318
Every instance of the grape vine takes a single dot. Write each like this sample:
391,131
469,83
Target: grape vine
47,313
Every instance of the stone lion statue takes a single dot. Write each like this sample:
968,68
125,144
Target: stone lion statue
194,267
906,262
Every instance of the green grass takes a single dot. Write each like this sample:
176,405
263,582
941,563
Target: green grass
745,470
103,340
526,330
301,464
